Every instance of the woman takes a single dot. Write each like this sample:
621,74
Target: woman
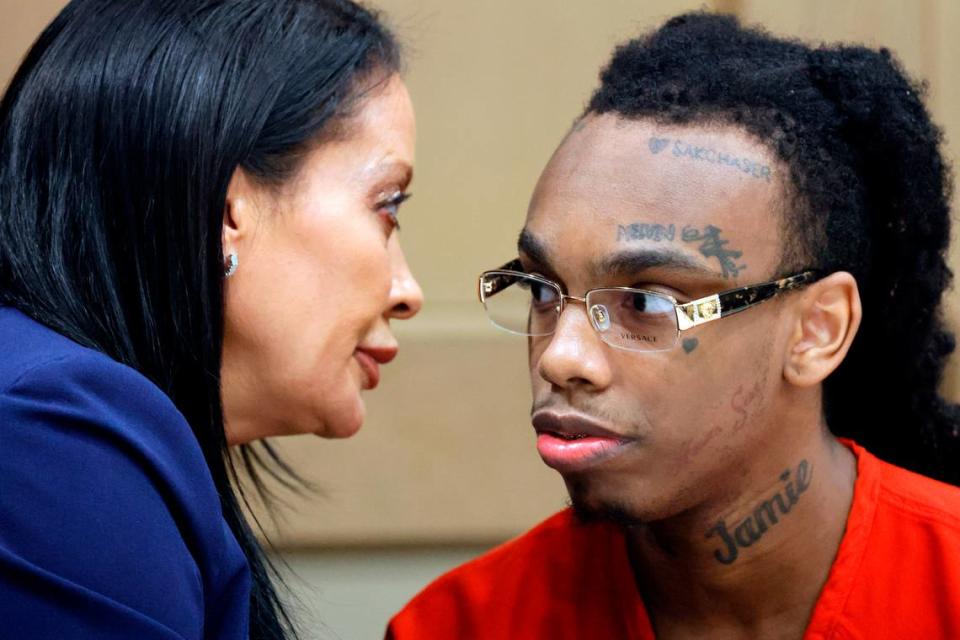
198,205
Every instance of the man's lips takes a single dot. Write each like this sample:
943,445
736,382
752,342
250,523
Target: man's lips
370,359
572,442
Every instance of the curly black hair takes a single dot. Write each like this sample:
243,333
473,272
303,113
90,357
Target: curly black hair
868,193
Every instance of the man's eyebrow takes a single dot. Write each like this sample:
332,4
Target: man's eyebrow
622,263
629,262
534,248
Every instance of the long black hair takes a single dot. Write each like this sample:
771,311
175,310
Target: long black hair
119,135
868,193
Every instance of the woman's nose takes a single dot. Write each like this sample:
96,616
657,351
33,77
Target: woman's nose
406,296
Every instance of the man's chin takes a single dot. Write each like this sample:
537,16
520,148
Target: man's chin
588,507
613,513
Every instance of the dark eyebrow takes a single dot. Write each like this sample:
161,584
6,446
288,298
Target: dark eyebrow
625,263
534,248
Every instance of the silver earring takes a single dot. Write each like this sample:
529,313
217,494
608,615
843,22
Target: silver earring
232,263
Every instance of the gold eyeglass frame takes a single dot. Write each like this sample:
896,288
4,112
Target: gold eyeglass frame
689,314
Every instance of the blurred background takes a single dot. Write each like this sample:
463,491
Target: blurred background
446,467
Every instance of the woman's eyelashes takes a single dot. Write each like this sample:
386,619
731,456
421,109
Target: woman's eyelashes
389,207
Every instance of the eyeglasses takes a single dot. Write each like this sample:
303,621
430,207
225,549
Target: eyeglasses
626,318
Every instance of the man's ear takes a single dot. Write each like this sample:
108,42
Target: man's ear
826,322
239,212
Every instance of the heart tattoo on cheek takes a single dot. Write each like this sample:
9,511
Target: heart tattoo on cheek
689,344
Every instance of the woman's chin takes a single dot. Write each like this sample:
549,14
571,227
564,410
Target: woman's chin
344,424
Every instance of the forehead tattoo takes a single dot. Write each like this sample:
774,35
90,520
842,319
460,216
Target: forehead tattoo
679,149
709,240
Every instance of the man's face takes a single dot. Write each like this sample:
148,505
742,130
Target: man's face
688,211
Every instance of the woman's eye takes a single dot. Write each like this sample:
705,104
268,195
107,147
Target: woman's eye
390,208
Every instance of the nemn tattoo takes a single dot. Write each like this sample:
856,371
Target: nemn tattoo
643,231
766,514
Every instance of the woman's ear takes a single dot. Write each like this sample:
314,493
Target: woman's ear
826,323
239,212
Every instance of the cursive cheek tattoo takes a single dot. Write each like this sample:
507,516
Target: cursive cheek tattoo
742,403
767,514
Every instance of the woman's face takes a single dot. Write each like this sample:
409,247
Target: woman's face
320,276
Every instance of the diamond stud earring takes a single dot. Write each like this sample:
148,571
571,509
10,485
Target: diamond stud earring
232,263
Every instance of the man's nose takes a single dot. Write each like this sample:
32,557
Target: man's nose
575,355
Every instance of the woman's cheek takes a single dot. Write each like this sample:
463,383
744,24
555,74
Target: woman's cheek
375,278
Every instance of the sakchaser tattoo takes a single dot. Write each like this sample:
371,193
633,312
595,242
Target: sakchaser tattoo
685,150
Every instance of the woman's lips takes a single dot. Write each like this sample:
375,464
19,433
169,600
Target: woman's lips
571,443
370,359
370,369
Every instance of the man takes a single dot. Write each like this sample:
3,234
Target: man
697,433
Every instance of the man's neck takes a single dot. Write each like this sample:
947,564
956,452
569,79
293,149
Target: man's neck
751,564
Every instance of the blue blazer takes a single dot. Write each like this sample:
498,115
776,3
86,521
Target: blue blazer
110,524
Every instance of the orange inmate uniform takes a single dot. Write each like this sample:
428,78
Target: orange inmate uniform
896,576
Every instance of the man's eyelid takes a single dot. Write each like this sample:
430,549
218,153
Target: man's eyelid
548,278
661,282
667,290
530,267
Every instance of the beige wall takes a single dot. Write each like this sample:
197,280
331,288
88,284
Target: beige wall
447,454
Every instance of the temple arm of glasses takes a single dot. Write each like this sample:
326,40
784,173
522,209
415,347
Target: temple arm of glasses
720,305
491,282
513,265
